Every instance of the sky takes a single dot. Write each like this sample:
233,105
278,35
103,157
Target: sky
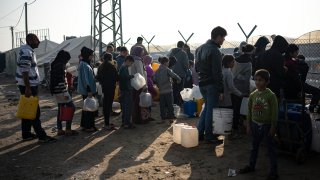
163,18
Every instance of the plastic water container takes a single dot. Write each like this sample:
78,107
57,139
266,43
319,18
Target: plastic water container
145,99
199,106
138,81
177,132
189,137
186,94
176,109
155,66
190,108
222,121
99,88
90,104
27,107
196,94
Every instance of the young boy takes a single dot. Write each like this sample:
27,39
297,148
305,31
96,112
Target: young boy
262,120
163,80
126,93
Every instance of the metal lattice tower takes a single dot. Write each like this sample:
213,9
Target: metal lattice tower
106,22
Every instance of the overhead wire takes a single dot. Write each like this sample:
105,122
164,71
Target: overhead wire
11,12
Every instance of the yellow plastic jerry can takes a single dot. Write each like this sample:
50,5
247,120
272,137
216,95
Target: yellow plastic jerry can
27,108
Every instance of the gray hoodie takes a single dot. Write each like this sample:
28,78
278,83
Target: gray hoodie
163,79
182,65
229,88
242,72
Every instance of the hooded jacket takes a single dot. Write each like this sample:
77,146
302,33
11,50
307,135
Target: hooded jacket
273,61
163,79
208,65
107,76
242,73
182,64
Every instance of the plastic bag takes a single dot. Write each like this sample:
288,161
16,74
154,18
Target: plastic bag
90,104
138,81
145,99
244,106
196,94
186,94
28,107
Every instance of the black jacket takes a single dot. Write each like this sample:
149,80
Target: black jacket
58,82
208,65
273,61
107,76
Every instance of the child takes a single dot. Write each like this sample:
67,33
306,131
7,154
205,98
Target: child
229,88
163,80
107,77
126,93
262,120
59,89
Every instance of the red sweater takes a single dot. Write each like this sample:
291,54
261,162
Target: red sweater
69,79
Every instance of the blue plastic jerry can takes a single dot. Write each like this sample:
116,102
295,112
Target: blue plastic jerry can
190,108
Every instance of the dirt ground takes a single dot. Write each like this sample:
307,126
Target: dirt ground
147,152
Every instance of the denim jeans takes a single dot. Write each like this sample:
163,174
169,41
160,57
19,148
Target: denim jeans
59,122
126,107
210,95
258,134
36,123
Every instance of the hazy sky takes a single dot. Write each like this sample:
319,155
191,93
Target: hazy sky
164,18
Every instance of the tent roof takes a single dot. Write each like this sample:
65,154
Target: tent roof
73,46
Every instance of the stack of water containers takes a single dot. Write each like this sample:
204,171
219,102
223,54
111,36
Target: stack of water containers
192,101
185,135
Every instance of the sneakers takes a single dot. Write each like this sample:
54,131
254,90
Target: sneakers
47,139
29,137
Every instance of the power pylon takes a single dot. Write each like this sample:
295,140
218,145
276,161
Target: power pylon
106,22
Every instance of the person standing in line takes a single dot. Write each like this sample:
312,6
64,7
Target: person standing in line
139,43
107,77
27,77
138,67
242,72
163,78
228,62
260,48
122,56
126,93
87,88
208,65
59,89
180,68
262,122
150,73
273,61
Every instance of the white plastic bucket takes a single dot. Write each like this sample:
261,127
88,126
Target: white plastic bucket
222,121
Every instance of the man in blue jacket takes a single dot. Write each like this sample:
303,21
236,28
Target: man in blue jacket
208,65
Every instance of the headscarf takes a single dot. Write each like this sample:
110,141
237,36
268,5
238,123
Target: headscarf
147,60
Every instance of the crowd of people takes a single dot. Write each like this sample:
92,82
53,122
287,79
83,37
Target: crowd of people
224,80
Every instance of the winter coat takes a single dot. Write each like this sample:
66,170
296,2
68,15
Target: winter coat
182,64
208,65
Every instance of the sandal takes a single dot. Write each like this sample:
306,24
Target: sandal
246,170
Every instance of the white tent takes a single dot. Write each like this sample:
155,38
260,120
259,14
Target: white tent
12,55
73,46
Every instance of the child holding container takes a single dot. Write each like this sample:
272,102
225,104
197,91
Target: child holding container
163,79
